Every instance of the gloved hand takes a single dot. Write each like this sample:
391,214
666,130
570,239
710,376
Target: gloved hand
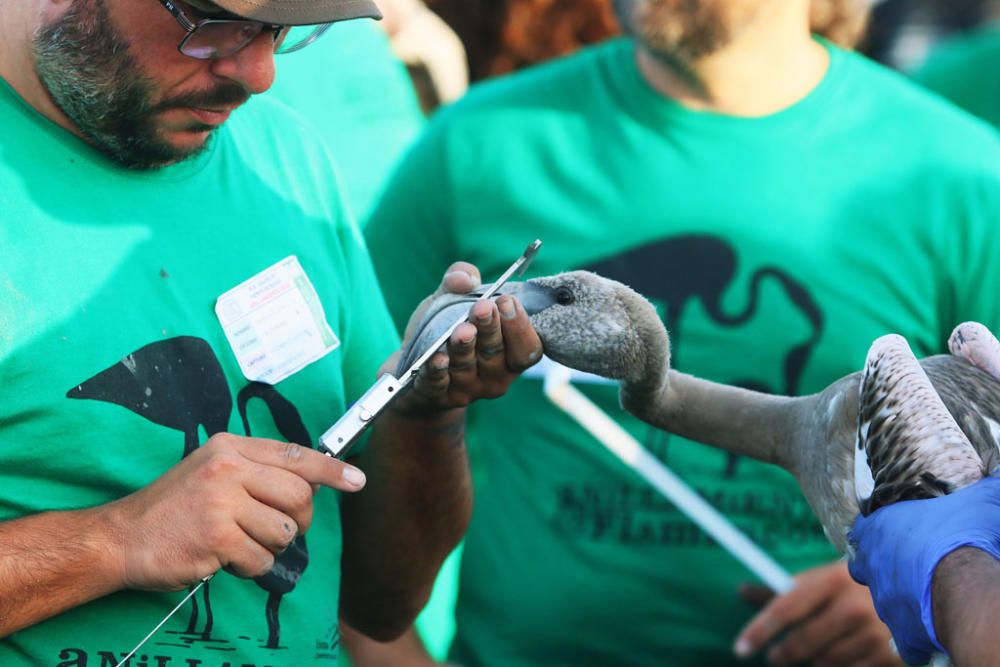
898,547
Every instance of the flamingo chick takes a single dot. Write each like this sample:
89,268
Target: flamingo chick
924,428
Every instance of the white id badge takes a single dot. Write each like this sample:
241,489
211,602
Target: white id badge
275,323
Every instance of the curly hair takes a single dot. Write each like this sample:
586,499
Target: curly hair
505,35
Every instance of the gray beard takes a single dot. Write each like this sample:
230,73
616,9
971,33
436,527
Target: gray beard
675,30
86,67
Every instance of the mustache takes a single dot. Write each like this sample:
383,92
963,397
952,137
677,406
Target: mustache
225,95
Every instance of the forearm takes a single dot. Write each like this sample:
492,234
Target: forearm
412,513
53,562
966,598
406,651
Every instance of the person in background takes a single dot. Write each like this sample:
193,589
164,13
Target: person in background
185,307
964,69
433,53
785,202
353,90
901,31
501,37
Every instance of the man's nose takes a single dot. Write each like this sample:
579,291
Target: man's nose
252,66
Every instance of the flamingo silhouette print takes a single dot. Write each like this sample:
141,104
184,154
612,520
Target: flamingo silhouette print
291,563
179,383
680,269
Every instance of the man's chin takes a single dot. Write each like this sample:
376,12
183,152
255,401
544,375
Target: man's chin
184,140
165,150
184,145
677,36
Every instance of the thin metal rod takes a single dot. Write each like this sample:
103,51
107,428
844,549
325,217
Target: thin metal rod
635,456
165,619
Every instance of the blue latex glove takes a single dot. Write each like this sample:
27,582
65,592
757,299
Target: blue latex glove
898,547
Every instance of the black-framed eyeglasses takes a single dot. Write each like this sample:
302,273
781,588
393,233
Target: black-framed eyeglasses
220,38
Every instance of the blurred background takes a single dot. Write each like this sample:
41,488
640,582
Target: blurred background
952,46
903,32
425,54
501,36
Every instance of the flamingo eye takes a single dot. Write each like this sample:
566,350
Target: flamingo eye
564,296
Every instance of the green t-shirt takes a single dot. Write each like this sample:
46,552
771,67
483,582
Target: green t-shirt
966,70
778,249
113,363
358,96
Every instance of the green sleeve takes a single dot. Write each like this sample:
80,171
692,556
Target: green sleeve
943,75
410,231
963,70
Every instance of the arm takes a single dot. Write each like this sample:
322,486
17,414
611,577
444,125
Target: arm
966,594
407,651
419,500
931,592
827,619
234,503
397,535
52,562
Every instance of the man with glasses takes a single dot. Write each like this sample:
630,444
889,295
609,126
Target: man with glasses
181,296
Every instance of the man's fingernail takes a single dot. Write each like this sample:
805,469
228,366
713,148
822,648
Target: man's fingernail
437,364
534,356
486,319
353,476
743,648
464,276
506,308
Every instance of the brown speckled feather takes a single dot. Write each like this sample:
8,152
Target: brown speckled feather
909,446
917,450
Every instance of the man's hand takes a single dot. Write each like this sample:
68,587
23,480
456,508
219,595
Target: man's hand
419,501
826,621
234,503
483,356
898,548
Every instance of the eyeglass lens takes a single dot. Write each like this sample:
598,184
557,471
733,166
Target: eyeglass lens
298,37
222,38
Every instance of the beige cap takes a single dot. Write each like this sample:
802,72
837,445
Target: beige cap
301,12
